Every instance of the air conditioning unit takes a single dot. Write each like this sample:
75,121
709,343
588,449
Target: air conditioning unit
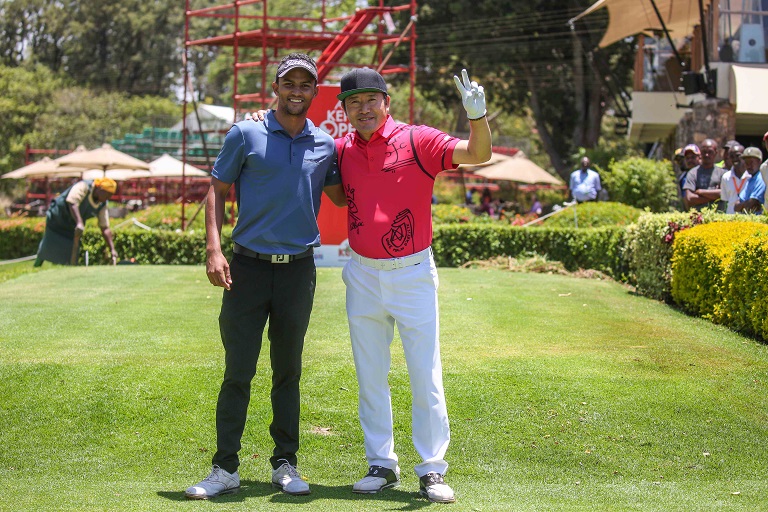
752,43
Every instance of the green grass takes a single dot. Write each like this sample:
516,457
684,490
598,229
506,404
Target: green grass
13,270
564,394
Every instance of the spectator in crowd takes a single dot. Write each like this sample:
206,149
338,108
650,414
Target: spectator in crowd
764,165
585,184
486,203
735,179
752,197
691,158
66,216
726,163
536,207
702,183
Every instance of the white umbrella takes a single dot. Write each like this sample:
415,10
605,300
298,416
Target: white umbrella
44,168
167,166
115,174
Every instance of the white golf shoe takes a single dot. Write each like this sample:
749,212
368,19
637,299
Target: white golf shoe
288,479
377,479
215,484
433,487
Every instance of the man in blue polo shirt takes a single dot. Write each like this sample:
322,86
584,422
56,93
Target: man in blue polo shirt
279,168
752,197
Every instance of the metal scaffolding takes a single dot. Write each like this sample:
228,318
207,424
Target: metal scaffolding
260,39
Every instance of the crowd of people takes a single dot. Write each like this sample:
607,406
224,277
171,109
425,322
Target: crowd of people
734,184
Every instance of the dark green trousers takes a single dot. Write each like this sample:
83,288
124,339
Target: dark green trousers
261,290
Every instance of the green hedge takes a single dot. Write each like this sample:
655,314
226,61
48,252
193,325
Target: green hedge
649,247
701,258
20,237
593,215
744,304
597,248
155,247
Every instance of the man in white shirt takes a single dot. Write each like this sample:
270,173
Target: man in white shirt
585,183
735,179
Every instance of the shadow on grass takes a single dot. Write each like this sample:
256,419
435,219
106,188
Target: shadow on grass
254,489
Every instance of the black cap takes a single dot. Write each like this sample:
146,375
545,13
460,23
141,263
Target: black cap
361,80
292,63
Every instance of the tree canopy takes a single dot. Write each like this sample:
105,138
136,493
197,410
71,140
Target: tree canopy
68,68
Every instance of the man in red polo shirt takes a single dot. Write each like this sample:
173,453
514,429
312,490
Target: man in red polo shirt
388,171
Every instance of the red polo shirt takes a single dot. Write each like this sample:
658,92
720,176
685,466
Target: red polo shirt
388,181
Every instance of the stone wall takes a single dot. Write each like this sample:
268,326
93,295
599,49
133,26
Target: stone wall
711,118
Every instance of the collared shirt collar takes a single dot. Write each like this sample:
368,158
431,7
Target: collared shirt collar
384,131
273,125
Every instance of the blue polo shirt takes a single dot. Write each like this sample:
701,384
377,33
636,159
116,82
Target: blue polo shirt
278,181
755,189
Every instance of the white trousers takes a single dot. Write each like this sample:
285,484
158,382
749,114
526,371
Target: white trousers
376,301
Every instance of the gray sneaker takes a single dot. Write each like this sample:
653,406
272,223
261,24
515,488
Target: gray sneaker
432,487
377,479
217,483
287,479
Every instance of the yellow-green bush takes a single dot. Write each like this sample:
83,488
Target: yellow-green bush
649,246
700,258
744,305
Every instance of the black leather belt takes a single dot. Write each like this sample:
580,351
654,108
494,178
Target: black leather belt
274,258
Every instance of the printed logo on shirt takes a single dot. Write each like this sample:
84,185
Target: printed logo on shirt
355,223
399,239
398,154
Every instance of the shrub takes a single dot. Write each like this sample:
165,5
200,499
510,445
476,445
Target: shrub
20,237
744,305
701,256
598,248
592,215
451,214
642,183
649,247
155,247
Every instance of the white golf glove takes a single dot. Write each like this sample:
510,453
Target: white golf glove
472,96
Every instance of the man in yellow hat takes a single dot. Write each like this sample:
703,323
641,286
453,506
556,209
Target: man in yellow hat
65,220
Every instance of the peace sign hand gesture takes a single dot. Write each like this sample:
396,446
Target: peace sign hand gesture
472,96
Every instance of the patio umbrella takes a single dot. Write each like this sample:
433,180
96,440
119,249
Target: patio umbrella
167,166
104,158
44,168
115,174
518,169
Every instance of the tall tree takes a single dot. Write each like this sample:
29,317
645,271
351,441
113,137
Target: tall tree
527,57
131,46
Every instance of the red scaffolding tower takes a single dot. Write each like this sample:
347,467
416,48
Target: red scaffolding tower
252,28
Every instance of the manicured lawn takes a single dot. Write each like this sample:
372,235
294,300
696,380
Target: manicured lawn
564,394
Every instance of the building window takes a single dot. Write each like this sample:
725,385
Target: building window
743,30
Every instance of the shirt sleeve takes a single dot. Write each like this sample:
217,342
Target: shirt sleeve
77,193
759,191
433,149
230,161
690,180
333,176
